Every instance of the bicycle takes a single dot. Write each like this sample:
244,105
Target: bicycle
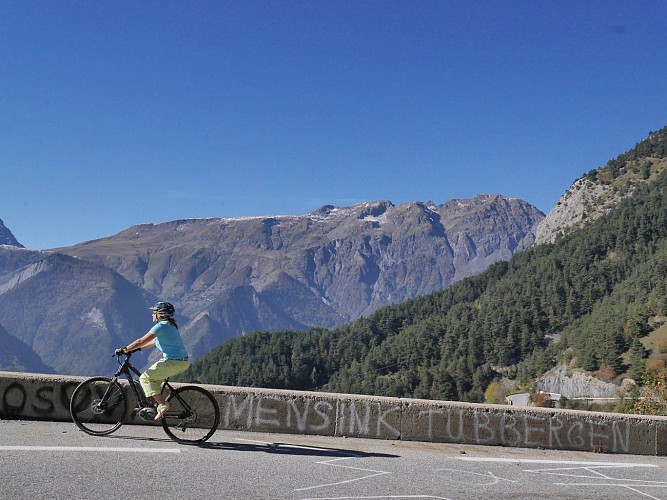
99,406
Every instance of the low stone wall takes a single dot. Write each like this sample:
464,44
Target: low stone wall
46,397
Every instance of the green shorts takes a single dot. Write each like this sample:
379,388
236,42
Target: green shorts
151,380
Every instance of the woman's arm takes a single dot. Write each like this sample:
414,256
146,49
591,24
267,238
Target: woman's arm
148,340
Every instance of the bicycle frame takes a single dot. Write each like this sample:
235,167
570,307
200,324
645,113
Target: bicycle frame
126,369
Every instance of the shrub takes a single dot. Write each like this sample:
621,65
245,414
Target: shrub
542,400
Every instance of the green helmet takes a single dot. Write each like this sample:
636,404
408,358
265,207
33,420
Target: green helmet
164,308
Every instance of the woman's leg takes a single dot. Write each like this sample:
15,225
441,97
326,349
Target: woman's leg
151,380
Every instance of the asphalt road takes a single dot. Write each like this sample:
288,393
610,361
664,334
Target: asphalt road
54,460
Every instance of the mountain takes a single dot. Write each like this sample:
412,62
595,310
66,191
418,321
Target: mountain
70,313
6,236
232,276
228,277
588,300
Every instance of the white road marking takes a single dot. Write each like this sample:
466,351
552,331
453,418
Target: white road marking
581,466
626,486
496,479
90,448
378,497
373,473
557,462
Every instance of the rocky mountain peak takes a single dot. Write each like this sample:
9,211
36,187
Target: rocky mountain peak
581,203
596,193
6,236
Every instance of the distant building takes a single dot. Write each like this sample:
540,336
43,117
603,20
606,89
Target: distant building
521,399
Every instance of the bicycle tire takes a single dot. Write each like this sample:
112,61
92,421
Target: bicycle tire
193,415
86,411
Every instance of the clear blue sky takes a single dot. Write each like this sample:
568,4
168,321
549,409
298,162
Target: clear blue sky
119,113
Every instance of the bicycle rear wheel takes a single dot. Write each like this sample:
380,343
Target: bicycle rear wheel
98,406
193,415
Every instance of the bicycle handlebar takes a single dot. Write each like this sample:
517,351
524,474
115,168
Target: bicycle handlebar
123,351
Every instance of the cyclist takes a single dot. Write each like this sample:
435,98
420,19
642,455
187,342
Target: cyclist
165,336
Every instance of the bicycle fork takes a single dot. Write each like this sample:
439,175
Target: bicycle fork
100,405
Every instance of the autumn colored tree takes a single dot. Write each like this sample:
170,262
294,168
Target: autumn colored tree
542,400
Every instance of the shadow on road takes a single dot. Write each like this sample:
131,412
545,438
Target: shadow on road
273,448
292,449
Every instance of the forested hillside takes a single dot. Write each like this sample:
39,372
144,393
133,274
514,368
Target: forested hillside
587,298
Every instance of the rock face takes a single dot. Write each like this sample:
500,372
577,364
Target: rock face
570,209
575,384
592,196
230,276
6,236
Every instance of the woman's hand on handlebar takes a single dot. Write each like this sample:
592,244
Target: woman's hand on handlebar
125,351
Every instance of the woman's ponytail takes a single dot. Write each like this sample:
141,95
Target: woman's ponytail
164,317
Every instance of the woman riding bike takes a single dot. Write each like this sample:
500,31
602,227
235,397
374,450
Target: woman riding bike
165,336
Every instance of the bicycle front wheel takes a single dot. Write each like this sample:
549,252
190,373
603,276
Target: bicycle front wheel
98,406
193,415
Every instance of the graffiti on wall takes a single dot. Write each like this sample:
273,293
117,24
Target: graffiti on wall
528,430
40,400
362,418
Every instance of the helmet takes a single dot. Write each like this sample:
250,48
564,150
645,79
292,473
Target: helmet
164,308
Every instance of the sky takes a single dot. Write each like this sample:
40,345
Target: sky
121,113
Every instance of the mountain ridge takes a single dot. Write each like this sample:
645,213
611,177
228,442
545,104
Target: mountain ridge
306,246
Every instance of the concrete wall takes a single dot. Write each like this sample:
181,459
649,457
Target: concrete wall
33,396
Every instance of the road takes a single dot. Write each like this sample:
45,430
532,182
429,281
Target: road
47,460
